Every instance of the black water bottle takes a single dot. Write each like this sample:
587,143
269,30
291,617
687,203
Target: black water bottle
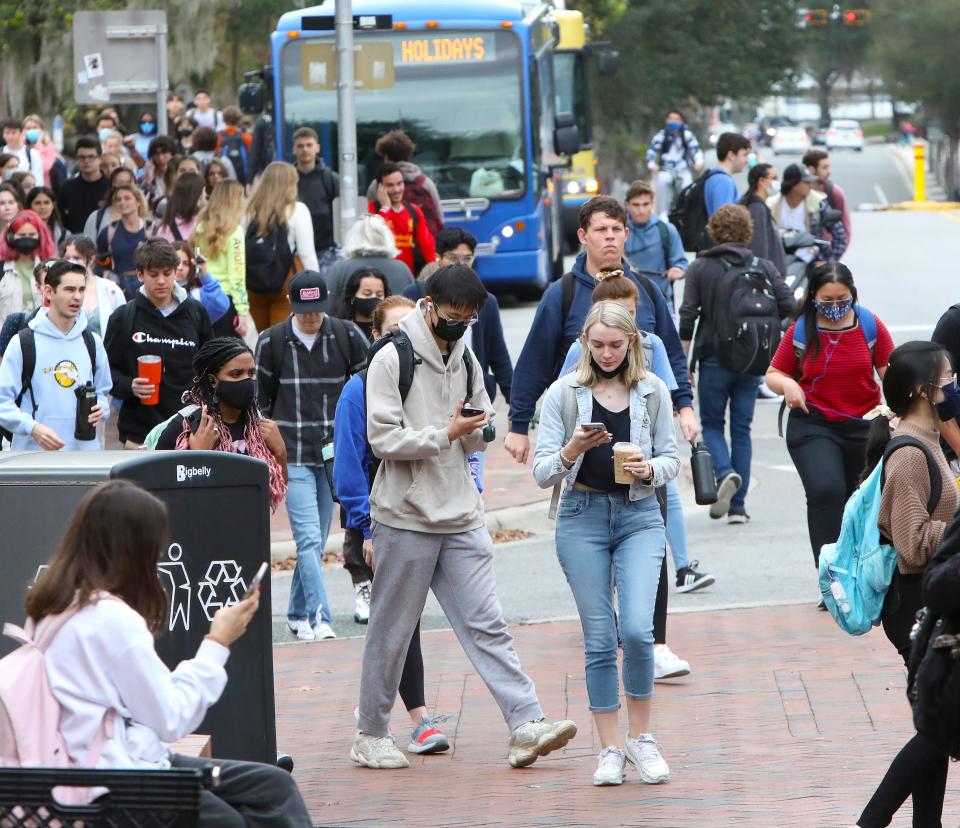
86,402
704,477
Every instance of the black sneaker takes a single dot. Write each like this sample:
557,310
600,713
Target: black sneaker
688,579
727,487
738,517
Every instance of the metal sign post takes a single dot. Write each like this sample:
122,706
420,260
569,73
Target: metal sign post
346,115
120,57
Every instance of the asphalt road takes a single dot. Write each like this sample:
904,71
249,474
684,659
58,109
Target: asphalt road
902,263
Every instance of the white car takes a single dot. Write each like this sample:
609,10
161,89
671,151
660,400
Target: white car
792,139
719,129
845,135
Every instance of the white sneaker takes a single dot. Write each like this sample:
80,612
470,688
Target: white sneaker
611,767
378,752
645,756
324,631
301,629
667,664
361,608
535,739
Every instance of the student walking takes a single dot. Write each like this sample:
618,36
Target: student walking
825,367
428,525
604,522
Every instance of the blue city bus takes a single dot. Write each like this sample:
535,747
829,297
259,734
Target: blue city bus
472,83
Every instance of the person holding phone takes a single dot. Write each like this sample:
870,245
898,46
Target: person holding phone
104,670
602,522
222,414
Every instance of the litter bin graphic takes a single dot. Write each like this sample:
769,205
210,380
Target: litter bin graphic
219,536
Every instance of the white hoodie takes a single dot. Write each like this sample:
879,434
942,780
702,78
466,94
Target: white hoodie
63,365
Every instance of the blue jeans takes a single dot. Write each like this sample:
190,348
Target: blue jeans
719,388
594,531
310,508
676,527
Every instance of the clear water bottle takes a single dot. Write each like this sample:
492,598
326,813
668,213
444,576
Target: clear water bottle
840,596
58,133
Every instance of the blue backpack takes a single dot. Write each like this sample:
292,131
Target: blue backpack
856,571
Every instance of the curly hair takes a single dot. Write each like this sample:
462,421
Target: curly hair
207,362
731,224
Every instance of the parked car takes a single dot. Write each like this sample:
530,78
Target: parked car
719,129
820,134
769,127
845,135
792,139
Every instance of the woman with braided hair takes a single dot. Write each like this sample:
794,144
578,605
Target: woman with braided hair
222,414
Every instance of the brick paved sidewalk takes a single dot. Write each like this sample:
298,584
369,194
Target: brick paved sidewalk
785,721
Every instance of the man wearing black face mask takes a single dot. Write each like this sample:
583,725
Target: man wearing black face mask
947,334
429,529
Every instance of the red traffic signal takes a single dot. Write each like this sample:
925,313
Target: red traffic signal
856,17
816,17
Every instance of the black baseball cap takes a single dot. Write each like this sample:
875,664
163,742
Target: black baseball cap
792,176
308,292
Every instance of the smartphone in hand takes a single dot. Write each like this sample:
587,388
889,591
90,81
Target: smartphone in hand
255,582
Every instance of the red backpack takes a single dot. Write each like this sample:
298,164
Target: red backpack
416,192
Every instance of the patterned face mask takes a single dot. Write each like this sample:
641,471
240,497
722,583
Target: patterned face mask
834,311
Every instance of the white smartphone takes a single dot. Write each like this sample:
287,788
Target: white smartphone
256,580
593,426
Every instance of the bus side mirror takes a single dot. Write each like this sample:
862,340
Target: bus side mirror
608,62
566,135
250,97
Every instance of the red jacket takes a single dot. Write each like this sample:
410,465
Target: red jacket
409,230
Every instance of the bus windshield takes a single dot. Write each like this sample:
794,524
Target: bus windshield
456,94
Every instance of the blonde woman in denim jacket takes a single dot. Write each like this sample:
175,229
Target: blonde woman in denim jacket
602,523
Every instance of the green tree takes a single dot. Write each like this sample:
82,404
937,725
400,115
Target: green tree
833,52
599,14
689,53
915,50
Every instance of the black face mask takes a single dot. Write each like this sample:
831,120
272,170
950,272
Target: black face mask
237,393
184,133
364,305
25,244
616,372
449,331
949,409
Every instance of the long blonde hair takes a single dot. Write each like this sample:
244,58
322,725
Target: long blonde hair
219,218
616,316
273,196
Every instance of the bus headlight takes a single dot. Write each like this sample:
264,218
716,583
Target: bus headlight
573,187
507,232
592,186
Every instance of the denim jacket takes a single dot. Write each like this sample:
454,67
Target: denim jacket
657,439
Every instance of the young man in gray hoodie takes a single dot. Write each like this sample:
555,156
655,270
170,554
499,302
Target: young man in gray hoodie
429,530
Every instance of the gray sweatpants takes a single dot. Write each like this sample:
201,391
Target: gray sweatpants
459,569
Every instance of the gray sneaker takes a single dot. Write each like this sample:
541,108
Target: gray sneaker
535,739
379,752
727,487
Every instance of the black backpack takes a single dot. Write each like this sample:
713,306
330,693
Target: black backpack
689,214
28,347
234,148
745,318
269,258
408,362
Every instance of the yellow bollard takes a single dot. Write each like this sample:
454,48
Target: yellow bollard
919,172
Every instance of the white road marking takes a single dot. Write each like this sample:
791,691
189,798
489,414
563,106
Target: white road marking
880,194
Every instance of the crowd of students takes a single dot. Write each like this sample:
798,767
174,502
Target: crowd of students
372,382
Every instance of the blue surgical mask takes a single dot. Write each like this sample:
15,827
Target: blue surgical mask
104,133
834,311
147,127
949,409
674,124
32,135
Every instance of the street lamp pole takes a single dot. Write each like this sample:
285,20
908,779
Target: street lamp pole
346,115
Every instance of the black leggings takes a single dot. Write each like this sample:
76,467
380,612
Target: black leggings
919,770
660,607
904,599
829,458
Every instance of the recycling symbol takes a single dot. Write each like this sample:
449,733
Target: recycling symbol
221,586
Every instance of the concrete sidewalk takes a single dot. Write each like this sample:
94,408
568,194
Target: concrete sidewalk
786,721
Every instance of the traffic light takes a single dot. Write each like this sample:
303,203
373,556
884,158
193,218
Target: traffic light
856,17
816,17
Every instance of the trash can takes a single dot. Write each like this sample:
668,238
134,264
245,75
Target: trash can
219,536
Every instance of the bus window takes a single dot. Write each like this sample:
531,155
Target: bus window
456,94
570,72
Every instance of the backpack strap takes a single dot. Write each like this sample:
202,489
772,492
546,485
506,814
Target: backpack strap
413,214
568,416
342,337
567,287
28,348
664,232
648,286
468,365
277,346
91,344
408,362
936,481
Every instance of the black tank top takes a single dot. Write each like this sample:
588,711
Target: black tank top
596,471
